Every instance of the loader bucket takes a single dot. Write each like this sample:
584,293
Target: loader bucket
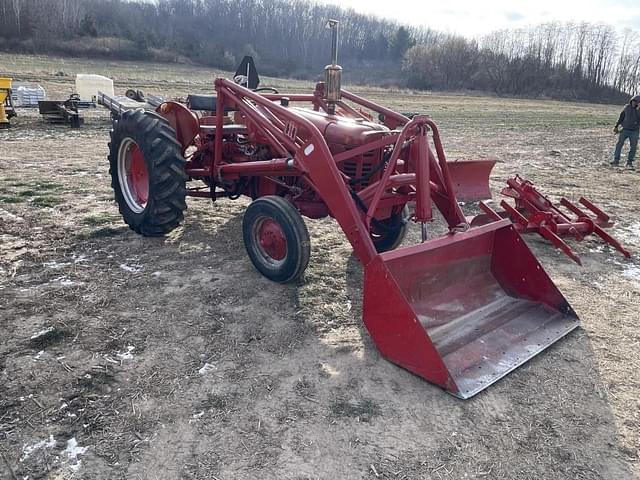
464,310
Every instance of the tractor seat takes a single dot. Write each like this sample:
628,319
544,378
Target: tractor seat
206,103
202,102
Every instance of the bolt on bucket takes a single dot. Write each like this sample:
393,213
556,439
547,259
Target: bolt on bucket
464,310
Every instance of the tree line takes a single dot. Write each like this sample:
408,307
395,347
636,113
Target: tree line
582,61
288,37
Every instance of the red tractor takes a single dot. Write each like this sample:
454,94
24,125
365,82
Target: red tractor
461,310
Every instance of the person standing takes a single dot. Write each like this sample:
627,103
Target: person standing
629,120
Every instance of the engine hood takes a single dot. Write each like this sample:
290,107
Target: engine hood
341,130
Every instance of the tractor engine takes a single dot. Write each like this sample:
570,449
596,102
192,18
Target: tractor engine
342,134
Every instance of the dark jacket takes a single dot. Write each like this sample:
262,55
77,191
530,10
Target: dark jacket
629,118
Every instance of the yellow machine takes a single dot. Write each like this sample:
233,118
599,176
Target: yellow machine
6,105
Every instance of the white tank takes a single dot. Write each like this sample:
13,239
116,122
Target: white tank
88,86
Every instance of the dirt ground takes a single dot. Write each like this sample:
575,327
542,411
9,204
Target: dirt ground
162,358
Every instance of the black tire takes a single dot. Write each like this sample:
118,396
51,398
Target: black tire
391,232
290,262
151,137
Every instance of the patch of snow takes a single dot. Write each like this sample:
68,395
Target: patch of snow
8,216
631,233
206,369
632,272
126,355
156,274
37,357
634,228
63,281
72,451
79,258
55,265
29,449
130,268
41,333
198,415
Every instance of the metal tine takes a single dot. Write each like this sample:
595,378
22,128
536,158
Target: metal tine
574,208
579,213
489,211
559,243
545,231
516,215
598,230
602,217
611,241
571,207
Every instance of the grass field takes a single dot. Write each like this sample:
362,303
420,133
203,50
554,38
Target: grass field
165,358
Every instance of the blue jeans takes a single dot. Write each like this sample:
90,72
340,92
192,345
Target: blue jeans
632,135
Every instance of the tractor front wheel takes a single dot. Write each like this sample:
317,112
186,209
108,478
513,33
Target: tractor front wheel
147,172
389,233
276,238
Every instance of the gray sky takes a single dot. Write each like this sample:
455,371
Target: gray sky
471,18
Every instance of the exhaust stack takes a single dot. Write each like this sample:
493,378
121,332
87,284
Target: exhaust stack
333,72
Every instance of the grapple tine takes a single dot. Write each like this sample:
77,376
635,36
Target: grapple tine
573,208
490,212
515,215
611,241
559,243
602,218
597,229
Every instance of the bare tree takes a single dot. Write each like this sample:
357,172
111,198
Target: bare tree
17,10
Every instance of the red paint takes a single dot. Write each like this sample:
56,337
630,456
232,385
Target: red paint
271,239
138,175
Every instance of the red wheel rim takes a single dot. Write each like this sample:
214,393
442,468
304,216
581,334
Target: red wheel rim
133,175
271,239
138,175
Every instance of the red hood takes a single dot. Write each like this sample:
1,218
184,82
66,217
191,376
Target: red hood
341,130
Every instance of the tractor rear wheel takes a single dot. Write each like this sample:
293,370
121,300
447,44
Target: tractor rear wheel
276,238
147,172
391,231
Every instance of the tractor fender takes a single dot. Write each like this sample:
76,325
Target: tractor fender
183,121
